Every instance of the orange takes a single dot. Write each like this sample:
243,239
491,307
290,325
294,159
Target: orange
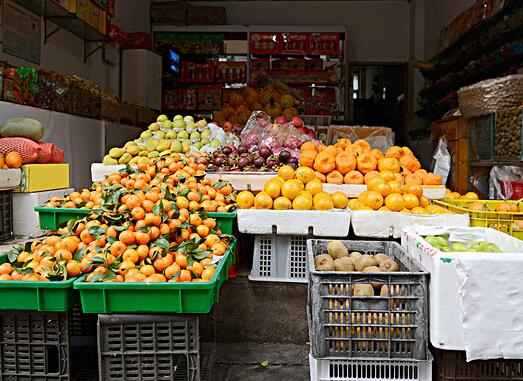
130,255
395,186
142,238
124,266
13,160
171,271
127,237
218,249
181,260
203,231
291,189
389,164
133,201
323,203
185,276
314,186
86,237
196,268
208,274
302,202
262,201
155,278
373,182
147,270
73,268
424,201
2,163
385,209
470,196
305,174
370,175
383,188
394,202
142,250
245,200
372,199
117,248
272,188
387,176
410,201
286,172
340,200
414,189
418,210
138,213
63,255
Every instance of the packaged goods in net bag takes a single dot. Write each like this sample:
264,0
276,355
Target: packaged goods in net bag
49,153
29,149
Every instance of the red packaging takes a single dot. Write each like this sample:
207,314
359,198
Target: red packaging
265,43
27,148
295,43
193,72
138,40
325,43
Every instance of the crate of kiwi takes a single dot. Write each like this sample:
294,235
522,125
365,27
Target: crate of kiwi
507,135
366,299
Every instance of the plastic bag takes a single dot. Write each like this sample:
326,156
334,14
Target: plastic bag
259,132
442,160
381,138
506,183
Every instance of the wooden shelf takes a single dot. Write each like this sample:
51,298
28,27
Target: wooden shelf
476,163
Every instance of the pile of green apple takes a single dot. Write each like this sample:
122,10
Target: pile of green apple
442,244
164,137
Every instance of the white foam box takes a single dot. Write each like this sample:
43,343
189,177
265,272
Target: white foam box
100,171
354,190
349,369
332,223
251,181
446,315
10,178
383,224
25,219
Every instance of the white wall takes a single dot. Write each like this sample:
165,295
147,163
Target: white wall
378,30
440,13
63,52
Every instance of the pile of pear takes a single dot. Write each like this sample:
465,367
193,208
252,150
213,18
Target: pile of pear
163,138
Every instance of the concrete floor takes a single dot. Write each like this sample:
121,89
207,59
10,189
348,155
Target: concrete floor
243,362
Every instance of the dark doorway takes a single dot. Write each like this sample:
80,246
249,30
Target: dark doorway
378,97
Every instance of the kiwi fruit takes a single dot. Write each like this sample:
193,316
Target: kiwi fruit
355,255
343,264
371,269
380,257
388,265
364,261
337,249
363,290
324,262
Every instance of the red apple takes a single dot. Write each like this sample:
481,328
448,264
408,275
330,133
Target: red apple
296,121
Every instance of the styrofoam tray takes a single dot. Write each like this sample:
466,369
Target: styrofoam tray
382,224
332,223
10,178
348,369
100,171
446,314
354,190
26,222
251,181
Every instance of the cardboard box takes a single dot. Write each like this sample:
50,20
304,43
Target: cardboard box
92,14
42,177
26,222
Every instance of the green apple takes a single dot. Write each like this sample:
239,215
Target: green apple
176,146
177,117
183,135
188,119
179,124
205,141
146,135
154,127
170,135
198,145
167,124
480,246
215,143
195,136
493,248
161,118
201,123
205,134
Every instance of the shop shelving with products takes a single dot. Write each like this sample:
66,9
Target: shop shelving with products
299,59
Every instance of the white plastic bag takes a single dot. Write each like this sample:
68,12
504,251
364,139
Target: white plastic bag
500,182
442,160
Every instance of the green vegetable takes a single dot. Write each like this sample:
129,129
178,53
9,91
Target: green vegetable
22,127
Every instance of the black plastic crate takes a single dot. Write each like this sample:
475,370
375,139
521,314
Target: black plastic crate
6,215
81,324
453,366
392,326
149,347
34,345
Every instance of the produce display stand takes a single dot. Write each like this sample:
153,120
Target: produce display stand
502,221
383,224
393,326
446,316
100,171
181,297
36,295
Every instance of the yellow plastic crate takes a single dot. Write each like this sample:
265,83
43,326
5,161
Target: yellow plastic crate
507,222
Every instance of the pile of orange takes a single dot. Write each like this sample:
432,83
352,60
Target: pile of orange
299,190
157,233
181,175
12,160
391,197
351,163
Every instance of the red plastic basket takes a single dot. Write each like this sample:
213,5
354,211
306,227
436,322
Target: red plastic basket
516,187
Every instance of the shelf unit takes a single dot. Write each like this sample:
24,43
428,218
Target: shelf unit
489,49
63,19
242,32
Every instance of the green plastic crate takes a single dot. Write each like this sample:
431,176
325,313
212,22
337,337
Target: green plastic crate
36,295
51,217
198,297
225,220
